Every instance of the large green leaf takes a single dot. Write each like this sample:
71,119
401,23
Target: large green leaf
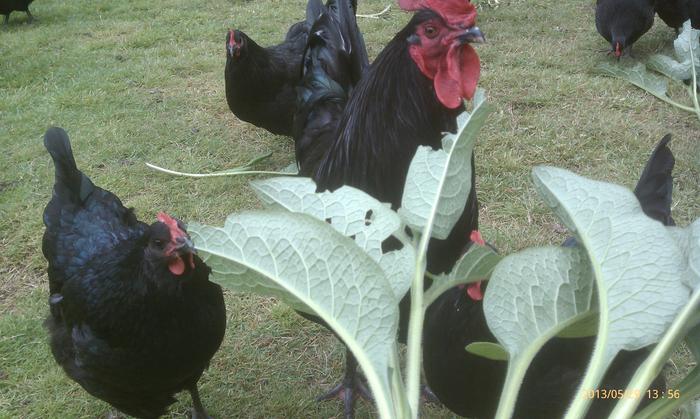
475,265
532,296
688,239
640,77
636,263
354,214
303,260
679,69
637,75
439,181
684,325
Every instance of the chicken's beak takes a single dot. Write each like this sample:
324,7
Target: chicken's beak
232,50
184,245
472,35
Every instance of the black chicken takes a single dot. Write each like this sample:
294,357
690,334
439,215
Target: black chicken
470,385
623,22
134,318
261,82
362,127
9,6
694,13
673,12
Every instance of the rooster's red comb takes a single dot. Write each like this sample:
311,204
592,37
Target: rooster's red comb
175,230
459,13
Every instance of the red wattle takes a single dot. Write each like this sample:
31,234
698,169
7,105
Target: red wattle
474,291
177,266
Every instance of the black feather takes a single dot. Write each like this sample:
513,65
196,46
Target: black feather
673,12
261,82
9,6
71,183
655,186
623,21
122,325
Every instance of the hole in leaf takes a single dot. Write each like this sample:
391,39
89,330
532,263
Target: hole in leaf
368,217
328,220
390,244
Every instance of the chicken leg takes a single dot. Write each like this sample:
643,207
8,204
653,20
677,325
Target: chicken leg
348,389
198,411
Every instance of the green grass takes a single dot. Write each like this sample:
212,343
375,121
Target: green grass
142,81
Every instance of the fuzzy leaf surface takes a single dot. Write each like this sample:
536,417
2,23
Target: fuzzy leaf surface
679,68
534,294
439,181
351,212
637,75
636,262
285,255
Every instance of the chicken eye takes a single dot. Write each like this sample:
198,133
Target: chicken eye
158,243
431,31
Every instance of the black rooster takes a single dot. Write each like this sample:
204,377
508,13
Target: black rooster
673,12
362,127
623,22
261,82
134,318
470,385
9,6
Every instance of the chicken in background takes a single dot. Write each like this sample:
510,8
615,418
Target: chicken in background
261,82
9,6
133,317
470,385
361,127
673,12
694,13
623,22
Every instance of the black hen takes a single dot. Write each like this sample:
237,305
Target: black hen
673,12
9,6
261,82
623,22
362,127
470,385
134,318
694,13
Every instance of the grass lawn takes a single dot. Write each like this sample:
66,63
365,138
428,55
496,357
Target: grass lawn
140,81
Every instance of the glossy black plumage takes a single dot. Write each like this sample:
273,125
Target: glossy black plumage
470,385
369,145
261,82
9,6
122,325
623,22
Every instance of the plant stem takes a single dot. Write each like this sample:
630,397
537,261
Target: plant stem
596,369
652,365
415,325
231,172
672,102
517,368
694,84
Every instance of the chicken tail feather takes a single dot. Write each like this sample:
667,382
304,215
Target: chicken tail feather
71,183
655,185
